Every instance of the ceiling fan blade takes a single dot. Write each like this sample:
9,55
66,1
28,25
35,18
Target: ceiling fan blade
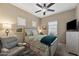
44,5
50,10
44,13
50,5
37,11
39,5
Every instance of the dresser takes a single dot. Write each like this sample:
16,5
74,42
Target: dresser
72,42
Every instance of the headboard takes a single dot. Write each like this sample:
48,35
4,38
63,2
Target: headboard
31,31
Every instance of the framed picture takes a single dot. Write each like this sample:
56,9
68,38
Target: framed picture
19,30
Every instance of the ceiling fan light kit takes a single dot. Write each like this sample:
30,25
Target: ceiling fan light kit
45,8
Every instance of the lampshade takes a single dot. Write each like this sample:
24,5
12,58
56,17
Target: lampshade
7,26
39,29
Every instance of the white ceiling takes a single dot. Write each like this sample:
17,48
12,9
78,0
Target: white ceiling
58,7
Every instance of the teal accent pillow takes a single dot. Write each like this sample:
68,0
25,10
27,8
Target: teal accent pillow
48,39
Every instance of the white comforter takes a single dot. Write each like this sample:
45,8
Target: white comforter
36,45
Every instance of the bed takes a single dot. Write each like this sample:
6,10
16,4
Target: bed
40,48
33,38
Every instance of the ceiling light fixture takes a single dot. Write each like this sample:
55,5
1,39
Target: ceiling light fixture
44,9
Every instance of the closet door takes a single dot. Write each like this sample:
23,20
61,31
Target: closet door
72,41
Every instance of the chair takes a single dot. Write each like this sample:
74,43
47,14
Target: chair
11,43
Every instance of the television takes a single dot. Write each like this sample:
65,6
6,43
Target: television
72,25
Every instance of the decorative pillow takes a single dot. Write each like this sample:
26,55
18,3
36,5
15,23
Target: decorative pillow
35,32
9,42
21,44
29,32
4,50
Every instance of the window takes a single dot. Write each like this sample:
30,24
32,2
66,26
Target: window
21,21
34,24
52,27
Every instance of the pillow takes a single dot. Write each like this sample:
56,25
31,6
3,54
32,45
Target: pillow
21,44
4,50
48,39
29,33
9,42
51,34
35,32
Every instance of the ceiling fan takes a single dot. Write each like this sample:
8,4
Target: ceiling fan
45,8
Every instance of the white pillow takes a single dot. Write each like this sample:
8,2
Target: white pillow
29,32
35,32
4,50
24,43
21,44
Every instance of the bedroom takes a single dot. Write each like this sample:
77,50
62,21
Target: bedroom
22,21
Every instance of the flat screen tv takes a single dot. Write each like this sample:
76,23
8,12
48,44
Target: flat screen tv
72,25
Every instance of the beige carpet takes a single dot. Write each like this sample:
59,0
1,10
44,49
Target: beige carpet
61,51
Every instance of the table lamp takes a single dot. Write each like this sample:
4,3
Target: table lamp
7,28
40,30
